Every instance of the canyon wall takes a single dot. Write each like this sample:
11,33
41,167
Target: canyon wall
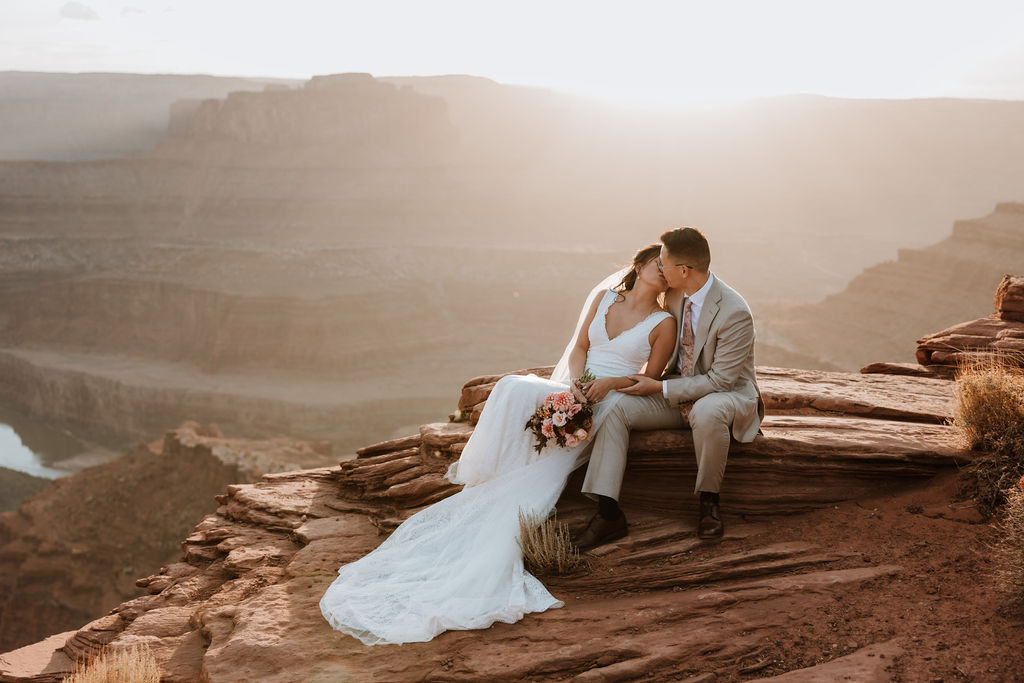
819,188
328,260
72,550
122,337
885,309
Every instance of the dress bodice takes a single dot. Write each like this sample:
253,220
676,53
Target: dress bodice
628,351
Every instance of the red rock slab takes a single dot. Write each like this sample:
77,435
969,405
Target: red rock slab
933,371
441,435
282,501
984,336
799,463
919,399
41,662
871,664
403,443
785,390
677,574
1009,299
479,388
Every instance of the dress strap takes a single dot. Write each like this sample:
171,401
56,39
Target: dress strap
656,319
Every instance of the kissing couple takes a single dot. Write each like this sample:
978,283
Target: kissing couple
671,347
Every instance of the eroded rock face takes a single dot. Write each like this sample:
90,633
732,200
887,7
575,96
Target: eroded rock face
74,549
1009,299
974,339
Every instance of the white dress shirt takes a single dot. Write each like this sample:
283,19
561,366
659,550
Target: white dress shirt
696,303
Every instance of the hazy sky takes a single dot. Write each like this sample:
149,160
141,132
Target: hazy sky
645,51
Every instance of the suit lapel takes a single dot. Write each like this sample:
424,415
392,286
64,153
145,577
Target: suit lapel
707,314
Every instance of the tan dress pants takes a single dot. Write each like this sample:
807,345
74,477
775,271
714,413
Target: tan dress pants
710,419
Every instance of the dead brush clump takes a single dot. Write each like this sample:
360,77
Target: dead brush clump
130,665
547,547
1009,550
989,411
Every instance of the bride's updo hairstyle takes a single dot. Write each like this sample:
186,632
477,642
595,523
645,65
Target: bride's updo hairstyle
642,258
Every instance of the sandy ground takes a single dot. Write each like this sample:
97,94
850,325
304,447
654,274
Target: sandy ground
943,607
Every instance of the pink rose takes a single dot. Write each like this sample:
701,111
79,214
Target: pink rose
571,441
580,434
559,419
575,408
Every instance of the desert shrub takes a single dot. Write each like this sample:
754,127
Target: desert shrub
1010,547
547,547
989,411
129,665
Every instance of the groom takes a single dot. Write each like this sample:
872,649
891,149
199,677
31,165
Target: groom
709,386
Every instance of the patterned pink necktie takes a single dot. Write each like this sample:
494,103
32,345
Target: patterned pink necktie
686,348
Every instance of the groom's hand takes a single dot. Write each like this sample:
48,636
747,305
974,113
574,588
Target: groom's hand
645,386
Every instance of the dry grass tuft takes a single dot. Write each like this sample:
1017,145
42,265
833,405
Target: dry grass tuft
130,665
547,547
989,411
1010,548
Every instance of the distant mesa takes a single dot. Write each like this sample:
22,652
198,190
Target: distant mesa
340,80
337,120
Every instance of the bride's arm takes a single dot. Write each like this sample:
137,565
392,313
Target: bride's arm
663,342
578,355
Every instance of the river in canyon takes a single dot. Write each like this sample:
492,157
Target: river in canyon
43,449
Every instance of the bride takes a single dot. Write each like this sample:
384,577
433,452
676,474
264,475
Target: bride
457,564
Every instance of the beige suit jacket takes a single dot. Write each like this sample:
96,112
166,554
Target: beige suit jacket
723,357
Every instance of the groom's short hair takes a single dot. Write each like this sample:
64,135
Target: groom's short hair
690,246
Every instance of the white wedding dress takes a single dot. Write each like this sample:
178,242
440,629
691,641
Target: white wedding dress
457,564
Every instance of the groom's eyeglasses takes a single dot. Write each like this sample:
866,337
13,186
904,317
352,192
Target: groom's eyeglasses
661,266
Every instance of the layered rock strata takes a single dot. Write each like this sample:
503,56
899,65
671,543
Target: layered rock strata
1009,299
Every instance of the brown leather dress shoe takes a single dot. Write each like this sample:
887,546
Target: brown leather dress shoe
600,531
709,522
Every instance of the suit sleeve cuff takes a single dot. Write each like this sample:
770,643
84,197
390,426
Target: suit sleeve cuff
664,388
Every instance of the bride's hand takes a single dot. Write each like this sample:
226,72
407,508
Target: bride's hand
577,391
599,388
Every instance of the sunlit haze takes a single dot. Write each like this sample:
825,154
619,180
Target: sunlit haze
642,52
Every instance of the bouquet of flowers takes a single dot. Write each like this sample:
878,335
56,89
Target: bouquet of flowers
562,418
